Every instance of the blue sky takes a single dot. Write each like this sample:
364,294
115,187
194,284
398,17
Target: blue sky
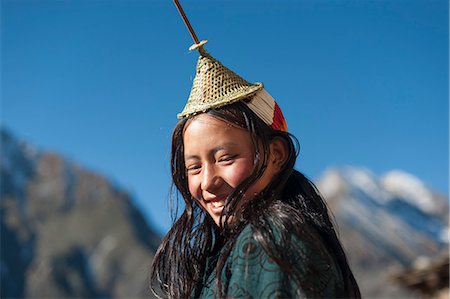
363,83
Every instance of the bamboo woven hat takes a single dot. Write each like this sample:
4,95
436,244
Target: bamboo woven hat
215,86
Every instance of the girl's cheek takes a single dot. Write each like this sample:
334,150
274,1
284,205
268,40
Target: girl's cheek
240,173
192,188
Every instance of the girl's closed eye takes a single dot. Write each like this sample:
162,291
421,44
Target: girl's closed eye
227,159
193,169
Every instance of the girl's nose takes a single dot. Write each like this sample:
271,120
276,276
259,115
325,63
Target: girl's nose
210,180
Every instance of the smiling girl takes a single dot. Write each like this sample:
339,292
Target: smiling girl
252,225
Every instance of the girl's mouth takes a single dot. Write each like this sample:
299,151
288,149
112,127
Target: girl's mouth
216,204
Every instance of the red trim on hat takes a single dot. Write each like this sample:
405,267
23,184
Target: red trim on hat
279,122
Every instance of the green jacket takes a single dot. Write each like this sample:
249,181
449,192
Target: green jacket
250,273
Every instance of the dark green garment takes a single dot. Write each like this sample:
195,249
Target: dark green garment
250,273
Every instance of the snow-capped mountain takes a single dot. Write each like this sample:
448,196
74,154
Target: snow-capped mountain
385,222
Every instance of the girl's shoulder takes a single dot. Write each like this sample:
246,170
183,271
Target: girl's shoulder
257,267
302,239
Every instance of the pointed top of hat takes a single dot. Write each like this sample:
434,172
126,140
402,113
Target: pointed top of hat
215,85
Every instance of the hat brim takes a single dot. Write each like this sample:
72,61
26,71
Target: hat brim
230,98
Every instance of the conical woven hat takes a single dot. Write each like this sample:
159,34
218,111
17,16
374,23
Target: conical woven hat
215,86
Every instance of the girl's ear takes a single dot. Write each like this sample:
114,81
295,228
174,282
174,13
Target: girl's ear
278,152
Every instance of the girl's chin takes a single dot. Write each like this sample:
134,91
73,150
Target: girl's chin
216,219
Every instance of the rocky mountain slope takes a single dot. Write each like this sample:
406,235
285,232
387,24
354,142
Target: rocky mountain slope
68,232
386,223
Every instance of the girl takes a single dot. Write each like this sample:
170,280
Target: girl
252,226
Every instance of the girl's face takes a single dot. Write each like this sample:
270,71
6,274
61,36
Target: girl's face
218,157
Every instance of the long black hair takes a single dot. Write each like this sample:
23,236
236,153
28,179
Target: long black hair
289,201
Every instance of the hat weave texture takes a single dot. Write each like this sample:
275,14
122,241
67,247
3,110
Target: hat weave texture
215,86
